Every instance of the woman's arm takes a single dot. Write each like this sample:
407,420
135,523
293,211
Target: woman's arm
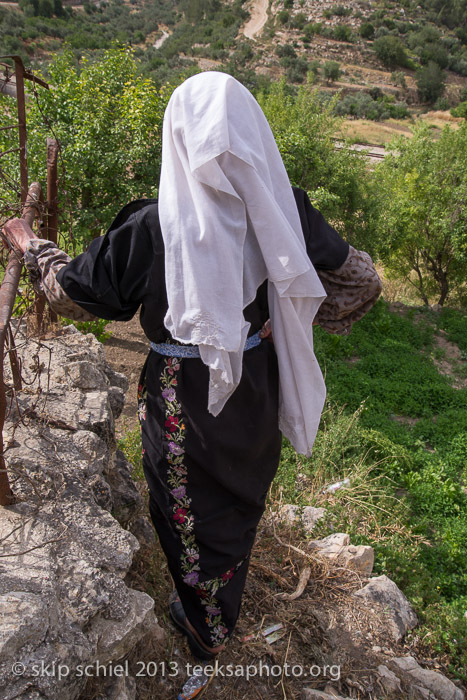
352,290
43,260
348,276
111,278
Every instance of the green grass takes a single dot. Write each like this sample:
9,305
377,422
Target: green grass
406,494
96,327
130,444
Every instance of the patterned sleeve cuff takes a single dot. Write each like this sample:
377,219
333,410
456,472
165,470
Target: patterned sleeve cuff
43,260
351,291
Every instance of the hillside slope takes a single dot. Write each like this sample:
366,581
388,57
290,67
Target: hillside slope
380,44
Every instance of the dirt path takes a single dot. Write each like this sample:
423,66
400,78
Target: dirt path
258,16
126,352
160,41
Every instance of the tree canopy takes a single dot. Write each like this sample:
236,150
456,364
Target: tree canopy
421,189
108,121
305,128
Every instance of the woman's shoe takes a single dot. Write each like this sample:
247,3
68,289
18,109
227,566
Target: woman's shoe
178,616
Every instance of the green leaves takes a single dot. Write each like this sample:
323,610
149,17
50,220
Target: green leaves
422,195
108,120
304,126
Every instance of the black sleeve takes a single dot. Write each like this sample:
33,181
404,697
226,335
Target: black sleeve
110,279
326,249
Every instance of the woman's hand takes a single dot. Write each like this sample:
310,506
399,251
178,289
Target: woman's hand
266,331
18,234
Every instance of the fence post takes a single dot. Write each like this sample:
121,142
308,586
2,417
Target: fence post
52,198
7,299
52,189
21,103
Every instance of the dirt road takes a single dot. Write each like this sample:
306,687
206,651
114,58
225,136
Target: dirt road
258,16
160,41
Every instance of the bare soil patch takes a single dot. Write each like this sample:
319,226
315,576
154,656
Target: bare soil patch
258,18
126,352
378,133
451,364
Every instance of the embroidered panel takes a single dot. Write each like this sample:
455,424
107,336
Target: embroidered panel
177,481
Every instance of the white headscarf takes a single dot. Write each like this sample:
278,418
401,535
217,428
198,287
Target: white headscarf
229,221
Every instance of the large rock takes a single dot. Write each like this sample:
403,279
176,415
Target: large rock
126,496
312,694
389,680
63,599
289,514
115,637
310,517
435,684
397,610
337,548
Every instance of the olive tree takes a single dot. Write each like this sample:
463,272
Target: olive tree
421,188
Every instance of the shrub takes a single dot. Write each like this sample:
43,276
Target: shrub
398,78
459,65
331,71
314,66
343,33
427,35
299,21
381,31
390,51
341,11
312,28
283,17
430,82
367,30
286,50
365,106
436,53
442,103
460,110
297,70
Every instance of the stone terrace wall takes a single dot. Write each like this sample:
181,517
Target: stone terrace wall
63,556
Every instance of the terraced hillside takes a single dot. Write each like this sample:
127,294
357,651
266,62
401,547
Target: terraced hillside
384,44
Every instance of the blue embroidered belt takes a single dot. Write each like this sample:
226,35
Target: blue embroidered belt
193,350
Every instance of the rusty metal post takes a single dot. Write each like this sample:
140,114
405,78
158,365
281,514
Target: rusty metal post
39,303
7,299
52,189
14,362
23,155
52,198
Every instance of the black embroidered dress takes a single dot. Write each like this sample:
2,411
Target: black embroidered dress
208,476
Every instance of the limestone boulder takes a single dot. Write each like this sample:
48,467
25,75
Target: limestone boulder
434,683
337,548
395,607
310,517
64,603
389,681
312,694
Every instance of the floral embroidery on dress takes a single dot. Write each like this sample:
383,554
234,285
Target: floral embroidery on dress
142,398
182,516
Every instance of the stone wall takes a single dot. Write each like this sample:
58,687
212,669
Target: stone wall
64,604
